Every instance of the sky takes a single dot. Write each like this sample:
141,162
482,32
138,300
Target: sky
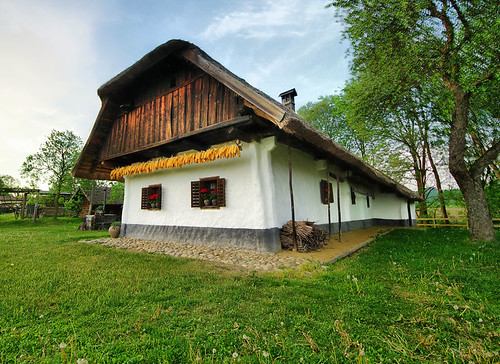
56,54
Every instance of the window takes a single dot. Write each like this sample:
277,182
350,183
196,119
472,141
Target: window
151,198
326,187
208,193
368,202
353,197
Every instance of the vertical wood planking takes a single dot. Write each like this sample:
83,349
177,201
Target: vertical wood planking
123,132
226,104
220,99
146,125
202,102
193,125
161,120
181,119
205,91
189,108
154,118
150,120
197,103
154,133
134,125
174,118
168,116
212,102
157,134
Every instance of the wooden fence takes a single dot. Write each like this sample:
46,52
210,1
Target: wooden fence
440,221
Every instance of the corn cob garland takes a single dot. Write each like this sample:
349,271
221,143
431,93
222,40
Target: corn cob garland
153,165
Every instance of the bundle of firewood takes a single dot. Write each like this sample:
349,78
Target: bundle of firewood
309,236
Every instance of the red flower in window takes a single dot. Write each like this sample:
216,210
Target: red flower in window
205,194
213,195
153,197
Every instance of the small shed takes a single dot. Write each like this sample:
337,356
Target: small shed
99,196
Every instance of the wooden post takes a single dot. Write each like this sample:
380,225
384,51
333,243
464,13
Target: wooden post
91,198
328,199
23,206
338,207
104,203
292,205
35,210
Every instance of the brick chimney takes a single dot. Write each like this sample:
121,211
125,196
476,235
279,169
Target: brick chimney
288,99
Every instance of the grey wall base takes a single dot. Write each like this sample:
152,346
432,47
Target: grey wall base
364,224
264,240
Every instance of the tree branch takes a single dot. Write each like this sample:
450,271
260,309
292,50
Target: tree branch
450,35
487,76
487,158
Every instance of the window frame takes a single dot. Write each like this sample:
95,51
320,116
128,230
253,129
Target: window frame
149,191
209,183
324,187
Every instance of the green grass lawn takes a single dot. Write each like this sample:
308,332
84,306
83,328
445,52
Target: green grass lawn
412,295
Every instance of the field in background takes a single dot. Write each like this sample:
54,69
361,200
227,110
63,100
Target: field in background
412,295
453,212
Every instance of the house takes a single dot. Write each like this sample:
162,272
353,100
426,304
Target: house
206,158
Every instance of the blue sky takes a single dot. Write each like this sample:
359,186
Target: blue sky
55,54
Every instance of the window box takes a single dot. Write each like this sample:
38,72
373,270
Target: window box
208,193
151,197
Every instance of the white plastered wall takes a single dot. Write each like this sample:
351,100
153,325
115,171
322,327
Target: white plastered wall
308,206
248,193
257,193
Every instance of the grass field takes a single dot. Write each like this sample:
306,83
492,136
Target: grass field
412,295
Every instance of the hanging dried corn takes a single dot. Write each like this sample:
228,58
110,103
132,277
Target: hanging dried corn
153,165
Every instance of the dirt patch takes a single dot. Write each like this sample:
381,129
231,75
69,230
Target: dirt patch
333,247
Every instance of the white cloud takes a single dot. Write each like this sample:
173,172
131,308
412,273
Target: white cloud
276,45
265,19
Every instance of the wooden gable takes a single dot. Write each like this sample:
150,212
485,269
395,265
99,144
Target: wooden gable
169,105
196,103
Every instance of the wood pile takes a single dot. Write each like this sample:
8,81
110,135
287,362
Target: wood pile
309,236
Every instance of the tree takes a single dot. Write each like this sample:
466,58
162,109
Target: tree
7,181
402,42
117,191
54,161
331,115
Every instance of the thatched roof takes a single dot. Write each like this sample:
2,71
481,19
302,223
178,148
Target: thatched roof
264,106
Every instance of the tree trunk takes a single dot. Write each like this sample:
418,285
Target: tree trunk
427,147
479,217
420,178
469,181
56,204
438,182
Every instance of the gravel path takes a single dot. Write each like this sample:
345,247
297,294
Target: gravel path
248,259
